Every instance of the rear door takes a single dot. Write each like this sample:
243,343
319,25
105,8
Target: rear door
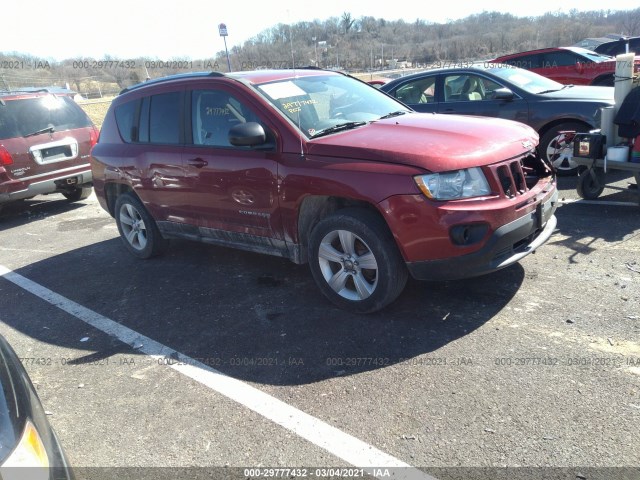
153,128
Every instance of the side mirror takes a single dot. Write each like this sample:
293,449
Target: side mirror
249,134
503,93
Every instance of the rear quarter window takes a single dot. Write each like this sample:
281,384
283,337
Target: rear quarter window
126,120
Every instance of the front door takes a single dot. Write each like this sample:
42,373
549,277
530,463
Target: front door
232,189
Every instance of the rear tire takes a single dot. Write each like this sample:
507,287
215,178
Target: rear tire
355,261
77,194
137,228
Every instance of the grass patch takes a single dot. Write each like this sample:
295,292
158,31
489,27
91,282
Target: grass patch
96,109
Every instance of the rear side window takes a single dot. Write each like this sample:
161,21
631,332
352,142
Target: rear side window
164,118
154,119
28,115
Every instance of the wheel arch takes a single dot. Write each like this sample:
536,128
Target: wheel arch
559,121
314,208
112,191
607,79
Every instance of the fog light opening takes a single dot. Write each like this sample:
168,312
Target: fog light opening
465,235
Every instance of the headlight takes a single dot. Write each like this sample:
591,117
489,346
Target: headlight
29,460
467,183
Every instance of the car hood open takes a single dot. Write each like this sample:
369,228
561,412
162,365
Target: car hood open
430,141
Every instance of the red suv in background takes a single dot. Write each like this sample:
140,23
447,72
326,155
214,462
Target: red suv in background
45,140
568,65
321,168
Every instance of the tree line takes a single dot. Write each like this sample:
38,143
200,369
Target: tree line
368,42
345,42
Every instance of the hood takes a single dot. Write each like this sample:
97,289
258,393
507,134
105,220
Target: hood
583,92
434,142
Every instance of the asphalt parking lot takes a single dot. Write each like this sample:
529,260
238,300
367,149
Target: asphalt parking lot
220,363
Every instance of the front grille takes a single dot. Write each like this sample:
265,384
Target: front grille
511,178
516,176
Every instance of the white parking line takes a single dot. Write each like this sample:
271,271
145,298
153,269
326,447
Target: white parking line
350,449
603,203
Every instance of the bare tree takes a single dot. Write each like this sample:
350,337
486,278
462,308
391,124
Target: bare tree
631,22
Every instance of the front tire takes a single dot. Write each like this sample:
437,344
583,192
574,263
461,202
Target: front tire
355,261
138,230
558,151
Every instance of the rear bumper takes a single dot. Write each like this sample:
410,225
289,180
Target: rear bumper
508,245
26,188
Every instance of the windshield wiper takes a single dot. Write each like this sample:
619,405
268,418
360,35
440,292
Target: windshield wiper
556,90
393,114
338,128
38,132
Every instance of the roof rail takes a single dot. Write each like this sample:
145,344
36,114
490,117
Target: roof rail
168,78
25,90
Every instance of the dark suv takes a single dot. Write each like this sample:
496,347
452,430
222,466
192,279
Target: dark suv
45,141
618,46
319,167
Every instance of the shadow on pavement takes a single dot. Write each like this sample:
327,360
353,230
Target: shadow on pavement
254,317
22,212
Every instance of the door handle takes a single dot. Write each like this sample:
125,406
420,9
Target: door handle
197,162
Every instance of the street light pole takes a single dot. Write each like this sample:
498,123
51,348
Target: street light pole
315,47
222,29
227,52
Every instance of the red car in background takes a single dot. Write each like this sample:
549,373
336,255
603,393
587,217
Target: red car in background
568,65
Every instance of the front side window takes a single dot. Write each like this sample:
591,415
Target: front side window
559,59
213,114
463,88
418,91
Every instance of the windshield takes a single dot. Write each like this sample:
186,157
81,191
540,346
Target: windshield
526,80
317,104
592,56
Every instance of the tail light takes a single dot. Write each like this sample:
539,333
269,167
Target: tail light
5,156
93,136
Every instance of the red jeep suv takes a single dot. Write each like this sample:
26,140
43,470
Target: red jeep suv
321,168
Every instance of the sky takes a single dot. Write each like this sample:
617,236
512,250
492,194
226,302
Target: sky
168,30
